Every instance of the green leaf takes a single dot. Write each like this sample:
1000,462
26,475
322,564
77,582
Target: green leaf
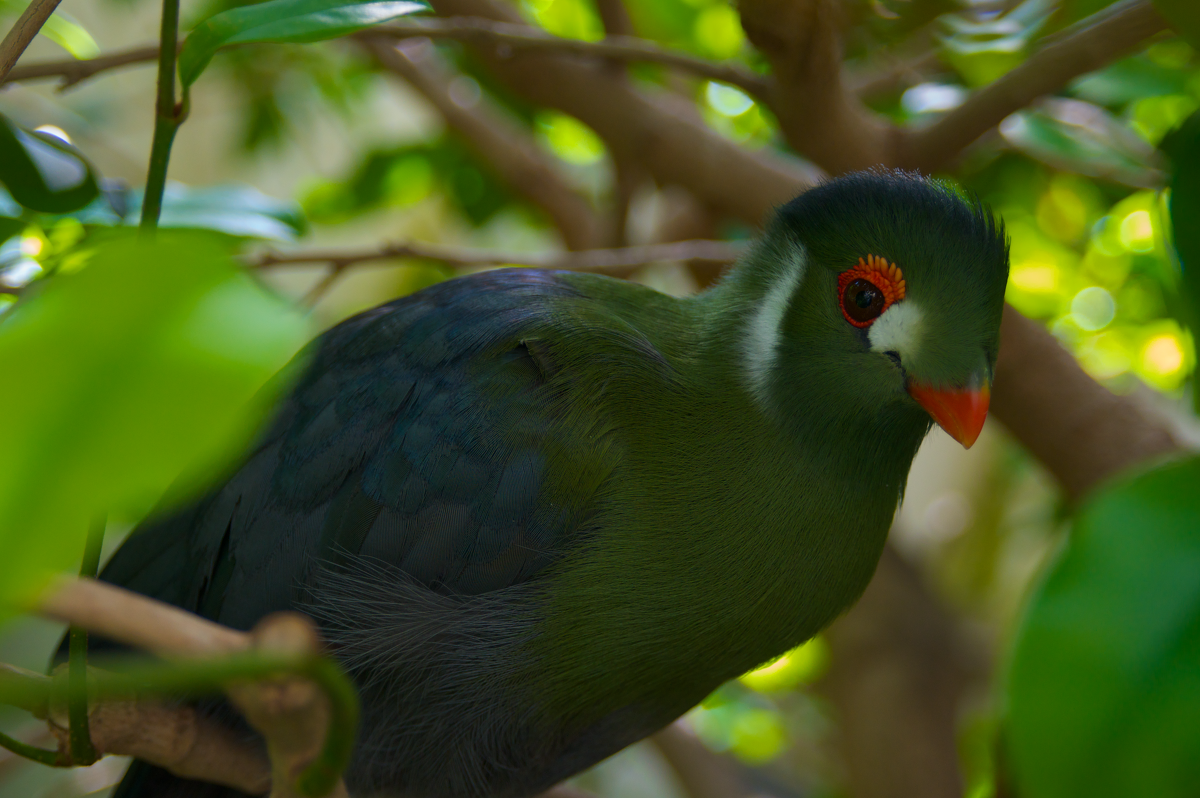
284,21
1182,146
1104,686
138,367
68,34
43,172
1184,16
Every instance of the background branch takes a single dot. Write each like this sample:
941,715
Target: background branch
22,32
497,138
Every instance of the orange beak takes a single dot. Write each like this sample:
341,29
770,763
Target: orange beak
960,413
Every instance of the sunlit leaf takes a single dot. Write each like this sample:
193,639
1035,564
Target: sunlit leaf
1104,687
118,378
43,172
284,21
70,35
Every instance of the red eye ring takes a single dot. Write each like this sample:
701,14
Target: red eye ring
885,278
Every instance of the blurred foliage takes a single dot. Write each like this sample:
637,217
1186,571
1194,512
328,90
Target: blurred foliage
125,378
402,176
1104,688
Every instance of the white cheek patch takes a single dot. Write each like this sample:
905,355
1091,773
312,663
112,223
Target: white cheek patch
897,330
765,327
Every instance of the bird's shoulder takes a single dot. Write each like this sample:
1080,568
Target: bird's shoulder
458,435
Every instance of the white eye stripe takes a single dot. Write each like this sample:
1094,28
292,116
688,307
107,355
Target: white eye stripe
897,330
765,327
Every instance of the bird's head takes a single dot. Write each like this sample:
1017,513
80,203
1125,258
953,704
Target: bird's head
885,290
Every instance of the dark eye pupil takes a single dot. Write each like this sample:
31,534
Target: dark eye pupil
862,300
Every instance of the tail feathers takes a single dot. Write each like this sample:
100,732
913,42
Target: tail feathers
144,780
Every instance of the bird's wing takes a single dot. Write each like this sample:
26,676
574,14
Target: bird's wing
436,434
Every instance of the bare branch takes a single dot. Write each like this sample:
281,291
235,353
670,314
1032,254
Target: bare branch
653,128
75,70
1086,46
610,261
137,621
499,139
1080,431
22,32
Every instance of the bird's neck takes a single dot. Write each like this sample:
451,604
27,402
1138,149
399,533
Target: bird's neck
740,344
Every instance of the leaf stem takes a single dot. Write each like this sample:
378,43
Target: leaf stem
167,118
82,750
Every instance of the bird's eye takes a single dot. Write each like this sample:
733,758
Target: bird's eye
863,301
869,288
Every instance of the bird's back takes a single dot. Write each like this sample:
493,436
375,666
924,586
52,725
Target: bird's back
428,469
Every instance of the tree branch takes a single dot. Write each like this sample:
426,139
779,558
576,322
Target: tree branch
75,70
503,37
500,141
1080,431
22,32
292,713
659,131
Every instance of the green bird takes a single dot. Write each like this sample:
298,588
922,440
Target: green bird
539,515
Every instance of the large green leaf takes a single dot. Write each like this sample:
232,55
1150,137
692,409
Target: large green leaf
1184,16
284,21
1104,686
120,376
42,172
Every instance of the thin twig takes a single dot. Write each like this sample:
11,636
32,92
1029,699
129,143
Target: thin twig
21,34
76,70
619,261
501,36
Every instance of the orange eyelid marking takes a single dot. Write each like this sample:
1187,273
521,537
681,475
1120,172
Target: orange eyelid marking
885,276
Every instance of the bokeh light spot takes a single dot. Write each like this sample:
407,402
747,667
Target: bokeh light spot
758,736
569,139
726,100
1163,355
1137,232
1093,308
